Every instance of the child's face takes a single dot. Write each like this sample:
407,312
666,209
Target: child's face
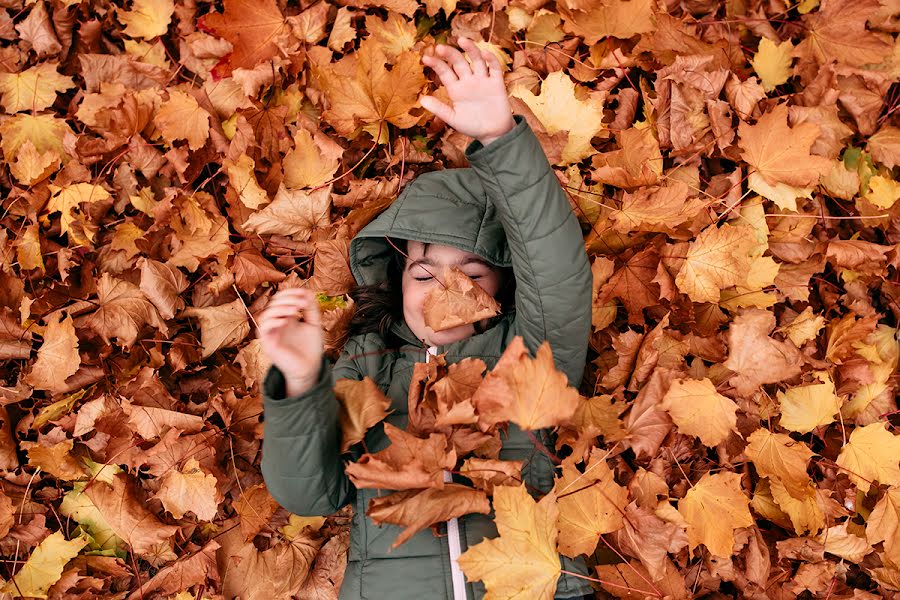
422,265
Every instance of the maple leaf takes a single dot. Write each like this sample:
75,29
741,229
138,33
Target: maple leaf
67,200
614,18
837,31
523,562
57,358
362,93
719,258
780,154
777,455
417,509
147,18
56,459
650,538
488,473
44,567
254,28
755,357
772,63
122,312
458,301
407,463
590,504
255,507
33,89
713,508
838,540
189,490
293,213
698,409
162,285
634,284
637,163
883,524
182,118
313,160
871,455
363,404
129,518
243,180
220,326
528,392
559,109
806,407
656,208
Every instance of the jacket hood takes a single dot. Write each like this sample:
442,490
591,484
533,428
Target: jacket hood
447,207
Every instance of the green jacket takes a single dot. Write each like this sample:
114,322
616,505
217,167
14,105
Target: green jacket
509,209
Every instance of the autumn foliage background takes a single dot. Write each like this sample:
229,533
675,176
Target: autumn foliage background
167,167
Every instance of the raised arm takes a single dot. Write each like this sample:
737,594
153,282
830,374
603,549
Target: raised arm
301,460
553,276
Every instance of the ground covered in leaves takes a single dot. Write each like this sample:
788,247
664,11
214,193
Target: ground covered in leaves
168,166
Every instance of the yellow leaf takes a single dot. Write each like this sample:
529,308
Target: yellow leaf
522,562
44,566
804,510
181,118
148,18
699,410
243,180
312,161
77,506
590,504
804,327
45,132
713,509
840,542
32,166
559,108
777,455
396,35
883,192
68,199
884,524
772,63
33,89
718,258
528,392
190,489
615,18
805,407
296,524
871,454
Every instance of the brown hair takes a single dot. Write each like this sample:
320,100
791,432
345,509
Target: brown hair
380,305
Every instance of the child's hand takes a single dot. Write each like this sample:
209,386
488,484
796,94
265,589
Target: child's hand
480,104
294,346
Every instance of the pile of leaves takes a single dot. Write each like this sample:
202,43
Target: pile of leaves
734,166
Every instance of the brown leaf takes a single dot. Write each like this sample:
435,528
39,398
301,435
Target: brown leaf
363,404
458,301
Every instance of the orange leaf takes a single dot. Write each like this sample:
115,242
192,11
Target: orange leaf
458,301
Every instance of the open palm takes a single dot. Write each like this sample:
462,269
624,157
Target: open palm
480,104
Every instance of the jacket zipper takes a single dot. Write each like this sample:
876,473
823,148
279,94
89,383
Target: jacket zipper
453,539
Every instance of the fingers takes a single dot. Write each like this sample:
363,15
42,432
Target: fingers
445,73
493,64
441,111
476,60
284,306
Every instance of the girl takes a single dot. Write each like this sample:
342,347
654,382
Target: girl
507,210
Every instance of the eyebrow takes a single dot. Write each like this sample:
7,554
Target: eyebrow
466,261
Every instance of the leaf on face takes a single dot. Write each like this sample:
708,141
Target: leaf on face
777,455
805,407
417,509
44,567
459,301
871,454
254,28
33,89
531,393
522,562
590,504
698,409
363,404
713,508
408,462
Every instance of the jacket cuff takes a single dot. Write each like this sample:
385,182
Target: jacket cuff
274,387
475,150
